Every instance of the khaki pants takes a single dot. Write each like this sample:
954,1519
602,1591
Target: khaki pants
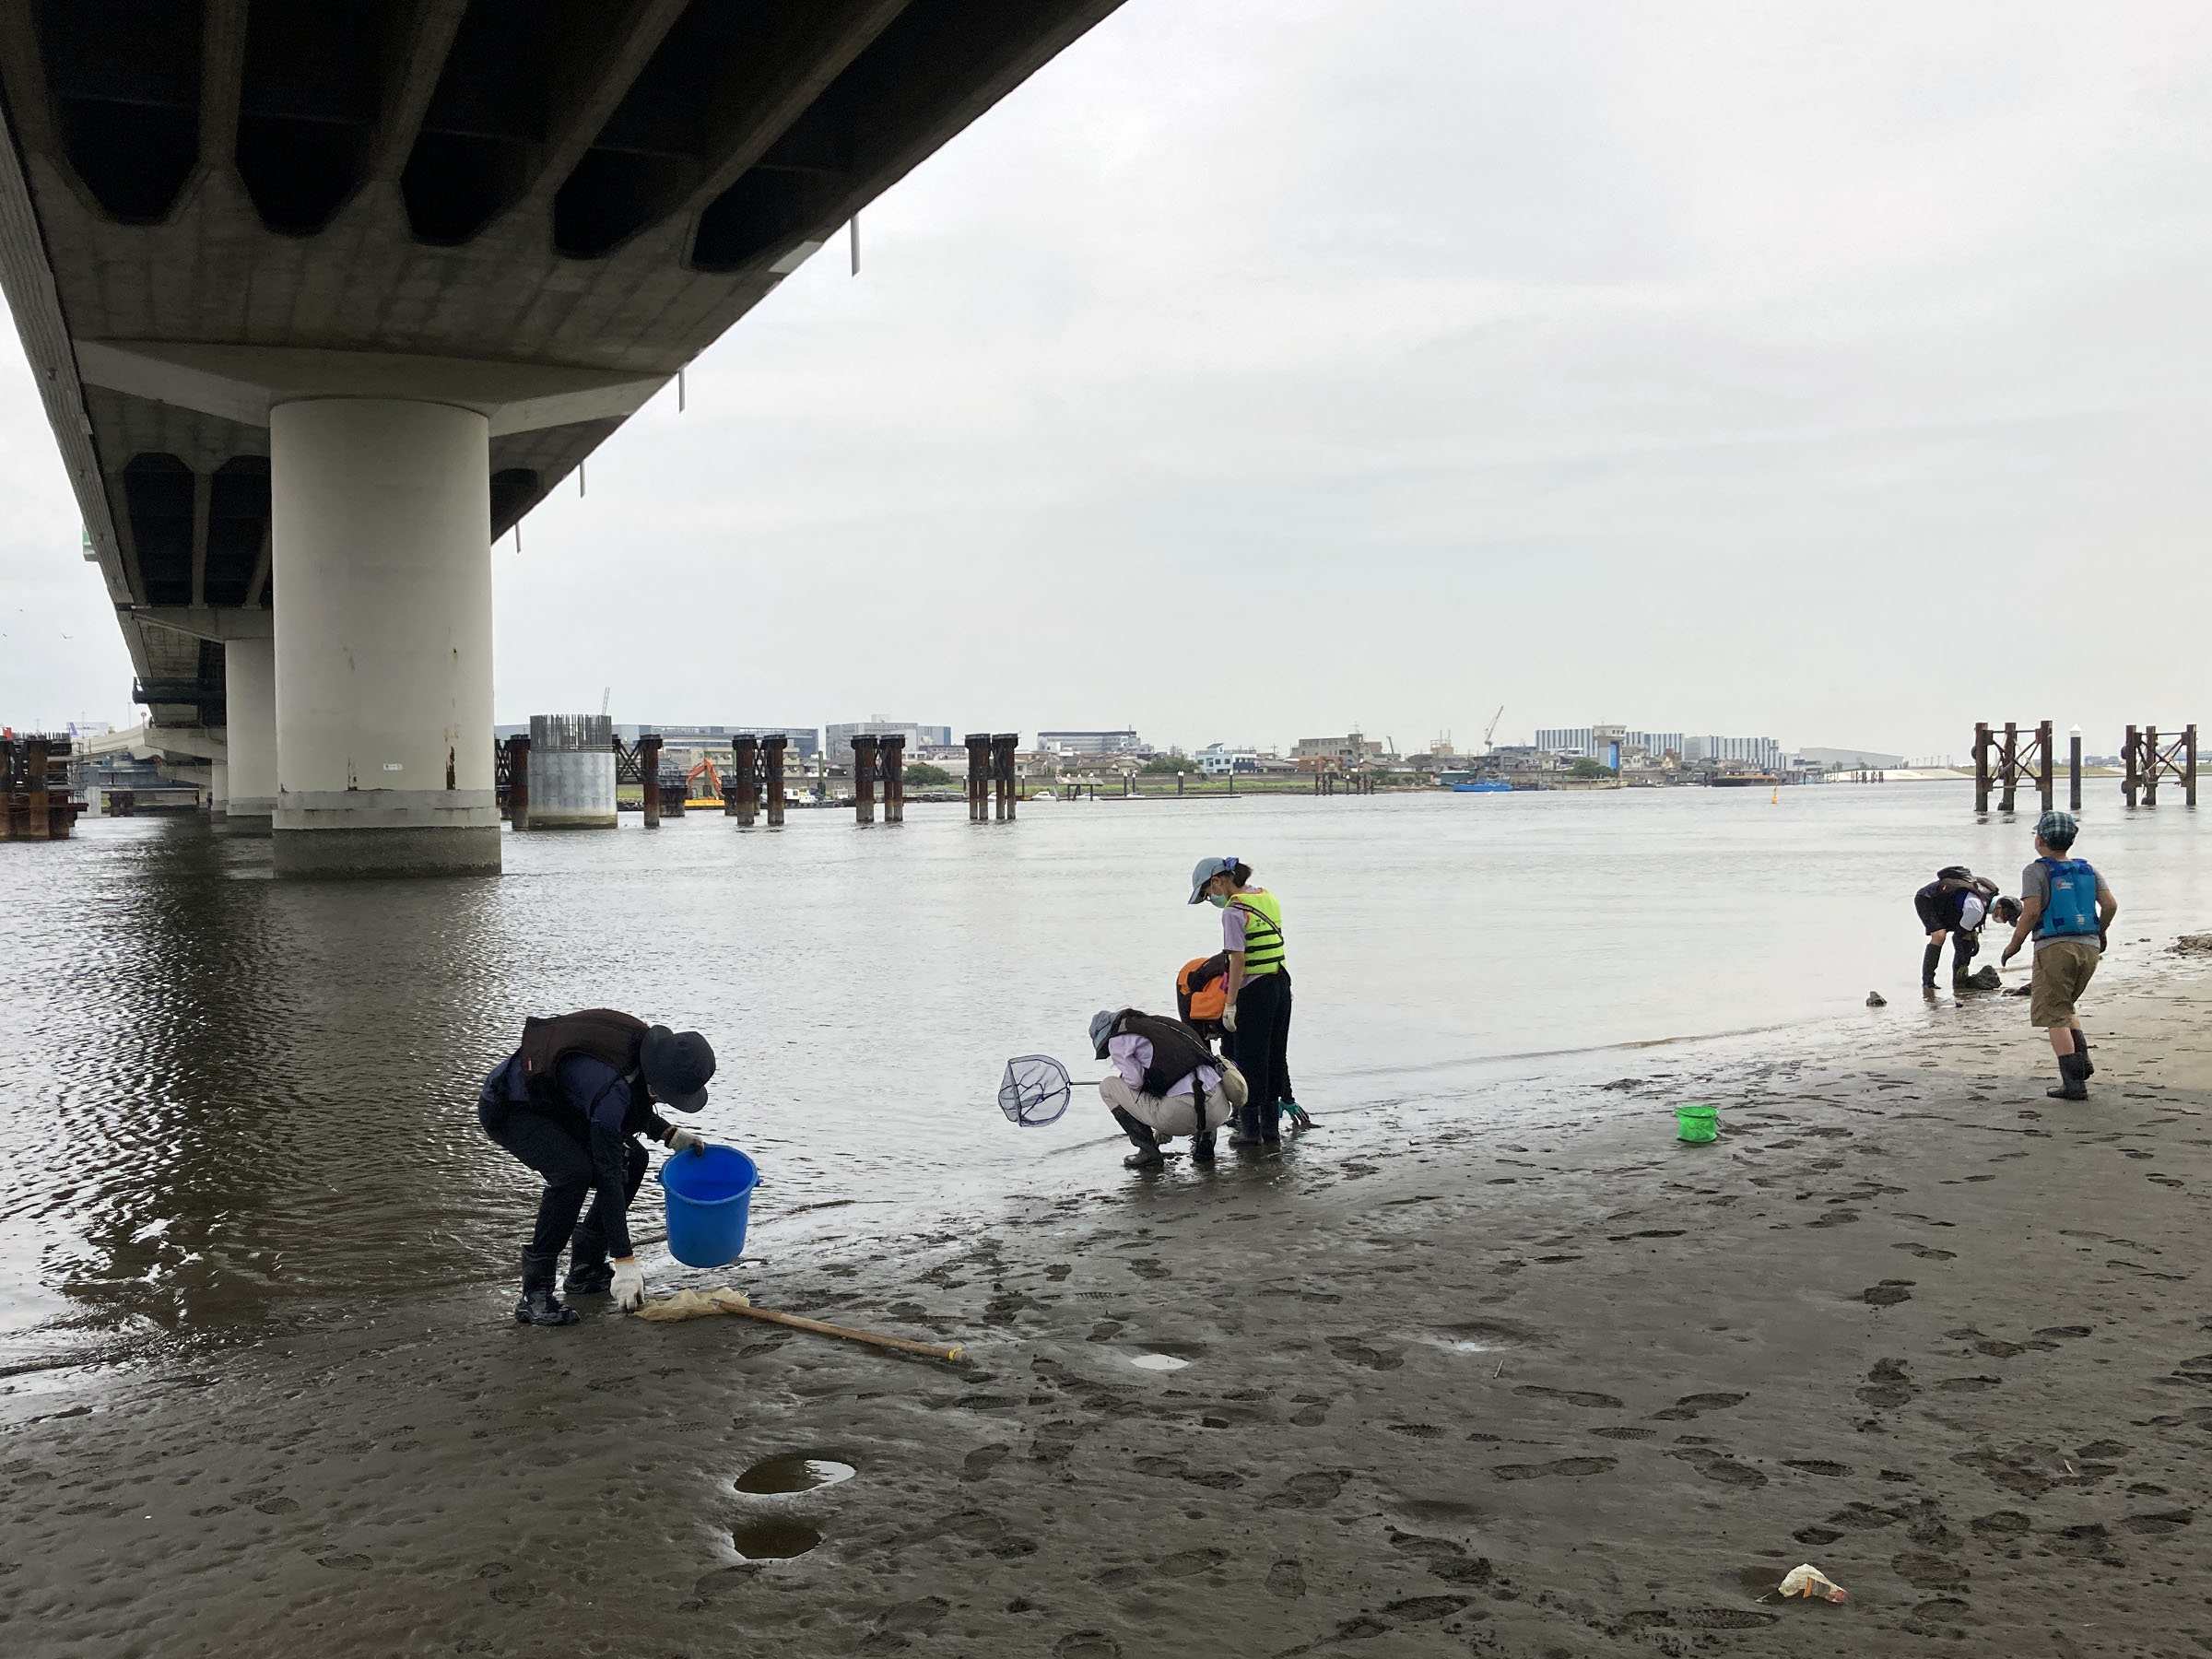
1167,1118
2062,970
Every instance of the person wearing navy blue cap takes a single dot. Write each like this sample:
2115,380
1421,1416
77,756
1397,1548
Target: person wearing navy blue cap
569,1103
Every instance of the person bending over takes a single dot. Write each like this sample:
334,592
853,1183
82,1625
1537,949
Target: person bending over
1165,1082
1954,905
571,1103
2069,909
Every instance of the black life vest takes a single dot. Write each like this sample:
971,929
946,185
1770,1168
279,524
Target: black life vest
601,1035
1177,1050
1942,901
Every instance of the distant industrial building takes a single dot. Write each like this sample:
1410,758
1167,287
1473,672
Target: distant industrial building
1221,760
839,737
1099,744
1350,750
1850,759
1762,752
1607,742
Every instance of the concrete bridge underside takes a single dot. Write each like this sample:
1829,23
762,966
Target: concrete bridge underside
321,299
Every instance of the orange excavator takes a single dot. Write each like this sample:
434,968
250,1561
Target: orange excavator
691,794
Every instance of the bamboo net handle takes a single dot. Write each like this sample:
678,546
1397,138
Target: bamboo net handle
950,1354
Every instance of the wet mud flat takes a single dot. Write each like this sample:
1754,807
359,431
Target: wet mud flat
1563,1387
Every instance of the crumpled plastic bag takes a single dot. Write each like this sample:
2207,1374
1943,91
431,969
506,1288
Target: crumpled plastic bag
1808,1582
693,1304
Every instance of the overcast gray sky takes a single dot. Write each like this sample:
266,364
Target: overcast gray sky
1837,372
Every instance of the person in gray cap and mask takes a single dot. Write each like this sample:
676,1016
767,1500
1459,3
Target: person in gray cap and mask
1257,1015
2068,908
571,1102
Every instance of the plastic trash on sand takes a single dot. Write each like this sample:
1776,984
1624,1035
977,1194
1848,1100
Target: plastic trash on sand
1808,1582
693,1304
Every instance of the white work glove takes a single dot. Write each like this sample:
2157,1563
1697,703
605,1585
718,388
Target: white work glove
629,1287
1229,1016
686,1140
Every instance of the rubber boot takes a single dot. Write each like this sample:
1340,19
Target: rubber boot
2081,1053
1202,1147
2074,1084
588,1279
539,1306
1930,960
1271,1127
1148,1155
1247,1132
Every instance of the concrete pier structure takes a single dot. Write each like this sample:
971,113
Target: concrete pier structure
383,534
250,734
572,773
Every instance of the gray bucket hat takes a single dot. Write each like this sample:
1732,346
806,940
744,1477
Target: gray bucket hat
1208,869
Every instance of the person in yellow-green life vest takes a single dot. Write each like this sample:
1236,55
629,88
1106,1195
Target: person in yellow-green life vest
1257,1017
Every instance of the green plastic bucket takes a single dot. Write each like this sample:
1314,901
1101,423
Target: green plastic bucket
1696,1125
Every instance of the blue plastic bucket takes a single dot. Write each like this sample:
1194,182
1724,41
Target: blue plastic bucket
708,1194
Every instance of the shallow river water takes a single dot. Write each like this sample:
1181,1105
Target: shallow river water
230,1097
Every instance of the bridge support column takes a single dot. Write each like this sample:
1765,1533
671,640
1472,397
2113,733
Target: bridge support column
250,695
381,539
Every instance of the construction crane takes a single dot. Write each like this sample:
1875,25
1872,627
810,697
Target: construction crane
692,796
1491,731
606,696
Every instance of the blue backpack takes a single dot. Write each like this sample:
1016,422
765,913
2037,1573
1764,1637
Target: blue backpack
2071,911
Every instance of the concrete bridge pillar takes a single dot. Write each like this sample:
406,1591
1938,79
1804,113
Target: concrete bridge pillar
381,539
250,695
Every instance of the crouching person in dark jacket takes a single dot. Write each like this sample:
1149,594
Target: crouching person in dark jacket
571,1103
1165,1082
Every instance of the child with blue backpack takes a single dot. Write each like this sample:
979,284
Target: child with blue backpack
2068,907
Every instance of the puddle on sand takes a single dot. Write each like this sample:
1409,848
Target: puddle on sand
1160,1362
773,1540
794,1472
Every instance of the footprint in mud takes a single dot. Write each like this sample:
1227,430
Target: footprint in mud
515,1595
1887,1386
1602,1402
2157,1525
1418,1430
1925,1572
1420,1609
1087,1645
1312,1413
1287,1580
1714,1465
351,1563
1189,1563
794,1472
1967,1384
2064,1331
1353,1351
1816,1465
978,1464
1727,1618
1314,1491
773,1540
1625,1434
2002,1524
1572,1466
1928,1252
1835,1217
1888,1293
1690,1406
925,1613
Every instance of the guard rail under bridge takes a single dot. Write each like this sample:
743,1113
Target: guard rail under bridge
321,298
